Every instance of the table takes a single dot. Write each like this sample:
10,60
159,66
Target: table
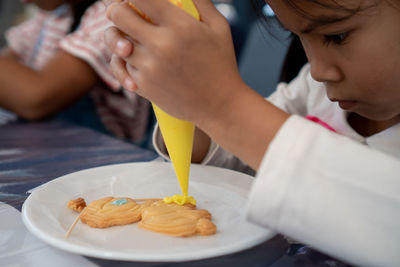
33,153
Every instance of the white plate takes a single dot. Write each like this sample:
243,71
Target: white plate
223,192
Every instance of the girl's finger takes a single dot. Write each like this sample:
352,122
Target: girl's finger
117,43
129,21
208,12
118,67
134,74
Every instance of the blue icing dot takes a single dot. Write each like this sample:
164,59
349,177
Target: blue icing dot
119,202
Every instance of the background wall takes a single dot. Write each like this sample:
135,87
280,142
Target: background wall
260,48
262,56
9,11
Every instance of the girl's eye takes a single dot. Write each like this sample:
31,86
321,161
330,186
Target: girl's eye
336,38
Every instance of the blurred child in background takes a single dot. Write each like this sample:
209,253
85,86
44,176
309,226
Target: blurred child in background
56,63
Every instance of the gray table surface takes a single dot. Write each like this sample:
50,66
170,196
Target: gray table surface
33,153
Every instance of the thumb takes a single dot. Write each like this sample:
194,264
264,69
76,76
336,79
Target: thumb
208,13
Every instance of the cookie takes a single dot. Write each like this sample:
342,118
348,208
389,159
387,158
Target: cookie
154,215
177,220
77,204
110,211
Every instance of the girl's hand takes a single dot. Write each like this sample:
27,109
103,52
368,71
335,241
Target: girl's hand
186,67
121,47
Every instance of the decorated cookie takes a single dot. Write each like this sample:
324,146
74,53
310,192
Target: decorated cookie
110,211
153,214
177,220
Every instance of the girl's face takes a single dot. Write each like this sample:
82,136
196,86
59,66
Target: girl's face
357,58
45,4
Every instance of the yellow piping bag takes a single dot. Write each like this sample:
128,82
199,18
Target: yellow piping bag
178,134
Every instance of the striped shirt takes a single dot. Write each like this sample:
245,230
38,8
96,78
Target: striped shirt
37,40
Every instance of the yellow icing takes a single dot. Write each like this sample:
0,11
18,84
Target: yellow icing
188,6
178,138
180,200
178,134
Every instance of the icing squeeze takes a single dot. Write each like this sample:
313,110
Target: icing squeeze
178,134
180,200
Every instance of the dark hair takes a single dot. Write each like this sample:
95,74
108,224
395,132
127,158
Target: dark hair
78,9
294,60
295,57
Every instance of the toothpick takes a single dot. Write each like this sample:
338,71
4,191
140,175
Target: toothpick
73,224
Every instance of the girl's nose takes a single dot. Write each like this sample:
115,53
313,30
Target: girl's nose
324,67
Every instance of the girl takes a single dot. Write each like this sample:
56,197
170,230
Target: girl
337,192
58,57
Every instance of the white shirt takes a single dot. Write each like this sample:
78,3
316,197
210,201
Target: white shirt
339,193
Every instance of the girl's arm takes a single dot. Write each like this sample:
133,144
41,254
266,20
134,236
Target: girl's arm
37,94
190,71
330,192
201,144
6,52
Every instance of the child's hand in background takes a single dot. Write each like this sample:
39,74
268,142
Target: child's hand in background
185,66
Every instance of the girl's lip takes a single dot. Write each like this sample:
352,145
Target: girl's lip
346,104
